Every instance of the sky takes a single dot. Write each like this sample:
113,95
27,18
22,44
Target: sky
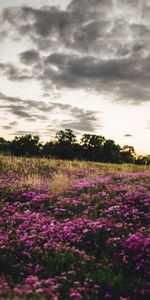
80,64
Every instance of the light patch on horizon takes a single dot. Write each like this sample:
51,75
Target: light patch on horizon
93,65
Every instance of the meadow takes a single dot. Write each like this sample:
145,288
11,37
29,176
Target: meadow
74,230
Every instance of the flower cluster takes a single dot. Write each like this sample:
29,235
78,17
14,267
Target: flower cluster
91,242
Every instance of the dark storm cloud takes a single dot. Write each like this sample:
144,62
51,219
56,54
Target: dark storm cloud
78,27
98,45
89,10
44,26
92,67
126,78
89,5
46,22
29,57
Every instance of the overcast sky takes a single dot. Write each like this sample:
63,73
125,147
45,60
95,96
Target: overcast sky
80,64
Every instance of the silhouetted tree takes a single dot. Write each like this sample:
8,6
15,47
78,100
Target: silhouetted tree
65,144
143,160
92,141
48,149
4,146
111,152
65,137
128,154
93,146
26,146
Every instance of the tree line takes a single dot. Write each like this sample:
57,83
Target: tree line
65,146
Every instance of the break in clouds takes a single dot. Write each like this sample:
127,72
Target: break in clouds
98,46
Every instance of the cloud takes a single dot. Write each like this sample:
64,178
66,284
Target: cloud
44,26
128,135
89,5
32,110
91,67
14,73
6,127
83,121
29,57
23,108
13,123
19,111
100,45
127,79
78,119
77,28
10,99
10,125
26,132
20,104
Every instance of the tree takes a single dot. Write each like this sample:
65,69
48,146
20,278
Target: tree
92,141
111,152
143,160
65,144
4,146
92,146
65,137
26,146
128,154
48,149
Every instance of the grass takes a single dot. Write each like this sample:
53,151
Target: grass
58,174
60,183
18,164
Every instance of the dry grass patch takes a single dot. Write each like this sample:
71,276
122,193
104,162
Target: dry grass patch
60,182
34,180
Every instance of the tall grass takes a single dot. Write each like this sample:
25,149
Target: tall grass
58,174
20,164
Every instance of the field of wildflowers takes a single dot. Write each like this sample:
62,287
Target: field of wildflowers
74,230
